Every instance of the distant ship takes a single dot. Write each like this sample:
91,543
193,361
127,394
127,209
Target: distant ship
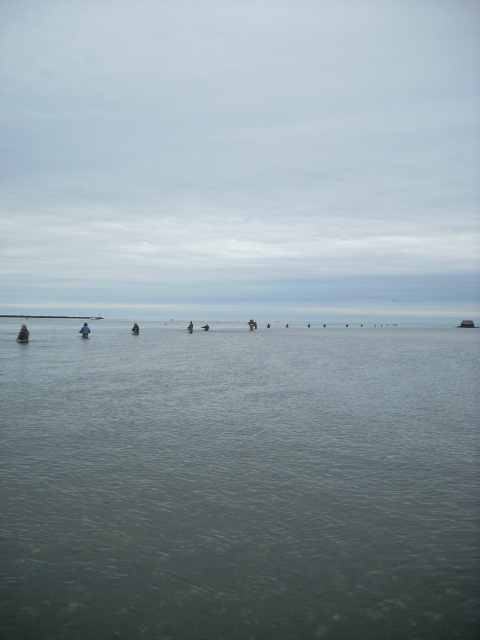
467,324
97,318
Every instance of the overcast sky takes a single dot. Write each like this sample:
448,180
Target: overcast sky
237,159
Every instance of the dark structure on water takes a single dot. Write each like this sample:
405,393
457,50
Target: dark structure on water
466,324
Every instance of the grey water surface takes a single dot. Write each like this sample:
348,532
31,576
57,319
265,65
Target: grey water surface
277,484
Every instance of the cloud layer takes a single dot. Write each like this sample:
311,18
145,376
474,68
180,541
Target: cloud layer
231,155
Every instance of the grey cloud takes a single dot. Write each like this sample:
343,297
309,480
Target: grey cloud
253,142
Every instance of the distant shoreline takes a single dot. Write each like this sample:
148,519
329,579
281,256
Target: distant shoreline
27,317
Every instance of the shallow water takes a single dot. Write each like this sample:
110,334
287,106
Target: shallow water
300,483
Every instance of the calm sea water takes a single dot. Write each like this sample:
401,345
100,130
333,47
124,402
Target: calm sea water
276,484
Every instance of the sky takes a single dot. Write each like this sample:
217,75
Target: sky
222,159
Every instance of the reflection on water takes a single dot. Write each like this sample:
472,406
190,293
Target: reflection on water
234,484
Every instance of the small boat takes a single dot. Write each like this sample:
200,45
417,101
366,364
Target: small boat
467,324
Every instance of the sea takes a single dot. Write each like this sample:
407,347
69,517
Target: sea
276,484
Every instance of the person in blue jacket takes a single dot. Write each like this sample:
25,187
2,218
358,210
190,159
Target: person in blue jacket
85,330
135,328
